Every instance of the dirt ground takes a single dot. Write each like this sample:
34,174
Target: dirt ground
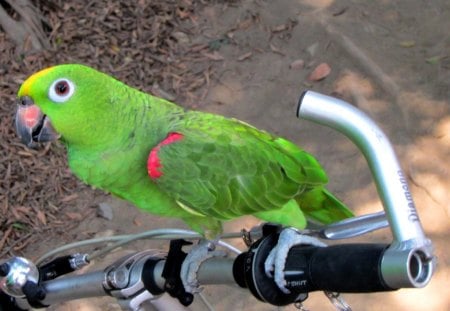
389,58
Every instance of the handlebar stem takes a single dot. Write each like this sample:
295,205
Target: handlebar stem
409,261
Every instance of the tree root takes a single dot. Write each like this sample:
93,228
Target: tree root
27,32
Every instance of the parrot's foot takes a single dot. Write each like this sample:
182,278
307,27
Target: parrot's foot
191,264
276,261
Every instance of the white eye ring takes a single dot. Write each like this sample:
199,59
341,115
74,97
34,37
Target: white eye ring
61,90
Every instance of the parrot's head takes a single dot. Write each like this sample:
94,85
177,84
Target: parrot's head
67,101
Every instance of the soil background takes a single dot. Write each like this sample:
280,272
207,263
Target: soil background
250,60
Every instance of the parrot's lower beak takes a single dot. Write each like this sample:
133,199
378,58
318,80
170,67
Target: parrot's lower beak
32,125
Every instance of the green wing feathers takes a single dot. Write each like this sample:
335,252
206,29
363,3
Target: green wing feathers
320,205
224,168
316,202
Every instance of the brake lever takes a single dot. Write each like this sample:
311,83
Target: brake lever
353,227
124,280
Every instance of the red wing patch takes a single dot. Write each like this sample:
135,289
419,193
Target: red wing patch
153,162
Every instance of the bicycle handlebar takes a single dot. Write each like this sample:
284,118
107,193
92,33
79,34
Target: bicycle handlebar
354,268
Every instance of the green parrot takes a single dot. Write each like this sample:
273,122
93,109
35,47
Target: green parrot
170,161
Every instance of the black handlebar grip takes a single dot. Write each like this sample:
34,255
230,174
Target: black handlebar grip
351,268
346,268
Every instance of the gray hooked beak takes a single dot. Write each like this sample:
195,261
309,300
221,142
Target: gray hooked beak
32,125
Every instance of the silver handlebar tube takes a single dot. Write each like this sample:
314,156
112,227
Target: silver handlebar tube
93,284
409,261
70,288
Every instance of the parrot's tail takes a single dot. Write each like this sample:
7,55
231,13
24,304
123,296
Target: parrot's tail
319,205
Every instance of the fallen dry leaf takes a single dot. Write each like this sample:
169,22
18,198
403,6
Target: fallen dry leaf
5,236
245,24
216,56
137,222
70,197
297,64
279,28
320,72
41,216
183,14
274,49
74,216
407,43
244,56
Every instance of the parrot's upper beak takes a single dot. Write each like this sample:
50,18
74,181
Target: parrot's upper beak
32,125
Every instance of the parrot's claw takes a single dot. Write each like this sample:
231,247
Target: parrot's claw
276,261
191,264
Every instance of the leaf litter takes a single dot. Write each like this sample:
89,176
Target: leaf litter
145,43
